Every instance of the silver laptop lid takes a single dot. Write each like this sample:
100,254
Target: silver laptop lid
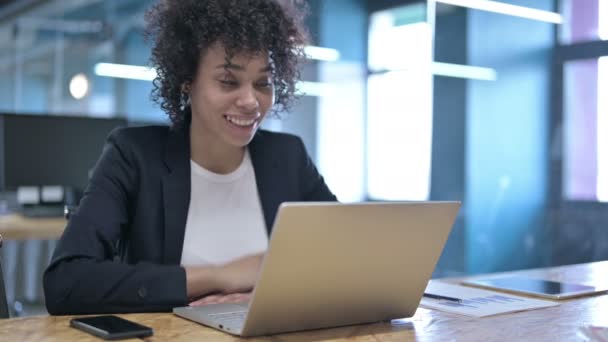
332,264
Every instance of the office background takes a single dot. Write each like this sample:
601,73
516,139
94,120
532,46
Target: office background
409,100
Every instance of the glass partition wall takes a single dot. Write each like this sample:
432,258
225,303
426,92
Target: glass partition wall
519,134
578,213
491,117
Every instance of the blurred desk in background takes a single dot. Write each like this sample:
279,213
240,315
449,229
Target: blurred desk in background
17,227
28,247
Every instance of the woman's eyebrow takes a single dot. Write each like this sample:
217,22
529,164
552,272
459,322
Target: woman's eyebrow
240,67
230,66
267,68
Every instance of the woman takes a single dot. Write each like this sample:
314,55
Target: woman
182,214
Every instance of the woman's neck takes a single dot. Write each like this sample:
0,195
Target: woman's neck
213,154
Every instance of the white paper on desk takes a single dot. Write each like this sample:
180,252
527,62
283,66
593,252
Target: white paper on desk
478,302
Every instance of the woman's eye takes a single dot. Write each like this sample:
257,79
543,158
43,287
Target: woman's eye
228,82
264,84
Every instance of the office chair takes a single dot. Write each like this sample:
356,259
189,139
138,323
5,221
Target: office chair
68,211
3,303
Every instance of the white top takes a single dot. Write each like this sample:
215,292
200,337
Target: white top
225,220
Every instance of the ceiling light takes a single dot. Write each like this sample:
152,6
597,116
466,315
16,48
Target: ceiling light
79,86
463,71
502,8
133,72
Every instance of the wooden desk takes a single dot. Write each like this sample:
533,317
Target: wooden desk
17,227
558,323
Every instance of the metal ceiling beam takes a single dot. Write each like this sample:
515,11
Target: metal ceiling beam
39,8
9,9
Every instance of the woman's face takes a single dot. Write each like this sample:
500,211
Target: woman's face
231,98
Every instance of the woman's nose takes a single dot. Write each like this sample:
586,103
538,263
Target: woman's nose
247,99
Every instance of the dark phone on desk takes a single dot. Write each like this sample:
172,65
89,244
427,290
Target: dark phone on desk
111,327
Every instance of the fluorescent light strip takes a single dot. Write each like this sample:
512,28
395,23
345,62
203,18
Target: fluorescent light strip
321,53
136,72
602,130
132,72
508,9
463,71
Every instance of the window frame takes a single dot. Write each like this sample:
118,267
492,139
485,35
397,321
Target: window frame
564,53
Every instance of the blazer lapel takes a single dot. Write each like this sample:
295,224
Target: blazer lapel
176,193
264,164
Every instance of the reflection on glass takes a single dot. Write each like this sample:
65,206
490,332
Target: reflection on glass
602,130
586,128
580,120
399,119
603,20
399,135
395,47
340,128
584,20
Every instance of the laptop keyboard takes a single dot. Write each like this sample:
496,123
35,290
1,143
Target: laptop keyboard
235,318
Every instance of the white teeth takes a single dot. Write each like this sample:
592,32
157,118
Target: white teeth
240,122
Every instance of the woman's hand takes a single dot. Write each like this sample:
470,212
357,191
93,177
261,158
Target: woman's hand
238,276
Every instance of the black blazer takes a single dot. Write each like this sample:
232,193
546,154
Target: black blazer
121,250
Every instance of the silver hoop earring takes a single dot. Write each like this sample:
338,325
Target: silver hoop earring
185,102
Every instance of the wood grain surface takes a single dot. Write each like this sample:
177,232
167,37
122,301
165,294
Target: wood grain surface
17,227
554,324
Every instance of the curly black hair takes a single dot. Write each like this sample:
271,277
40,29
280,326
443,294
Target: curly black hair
182,31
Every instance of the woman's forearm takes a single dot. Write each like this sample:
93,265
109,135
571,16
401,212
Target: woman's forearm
85,286
237,276
201,280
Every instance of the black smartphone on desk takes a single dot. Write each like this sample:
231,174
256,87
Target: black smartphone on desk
111,327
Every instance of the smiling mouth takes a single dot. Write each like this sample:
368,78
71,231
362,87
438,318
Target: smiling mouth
241,122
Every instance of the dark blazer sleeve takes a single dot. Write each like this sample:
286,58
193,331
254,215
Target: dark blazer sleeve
312,184
84,276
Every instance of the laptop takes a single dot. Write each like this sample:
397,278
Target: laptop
330,264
